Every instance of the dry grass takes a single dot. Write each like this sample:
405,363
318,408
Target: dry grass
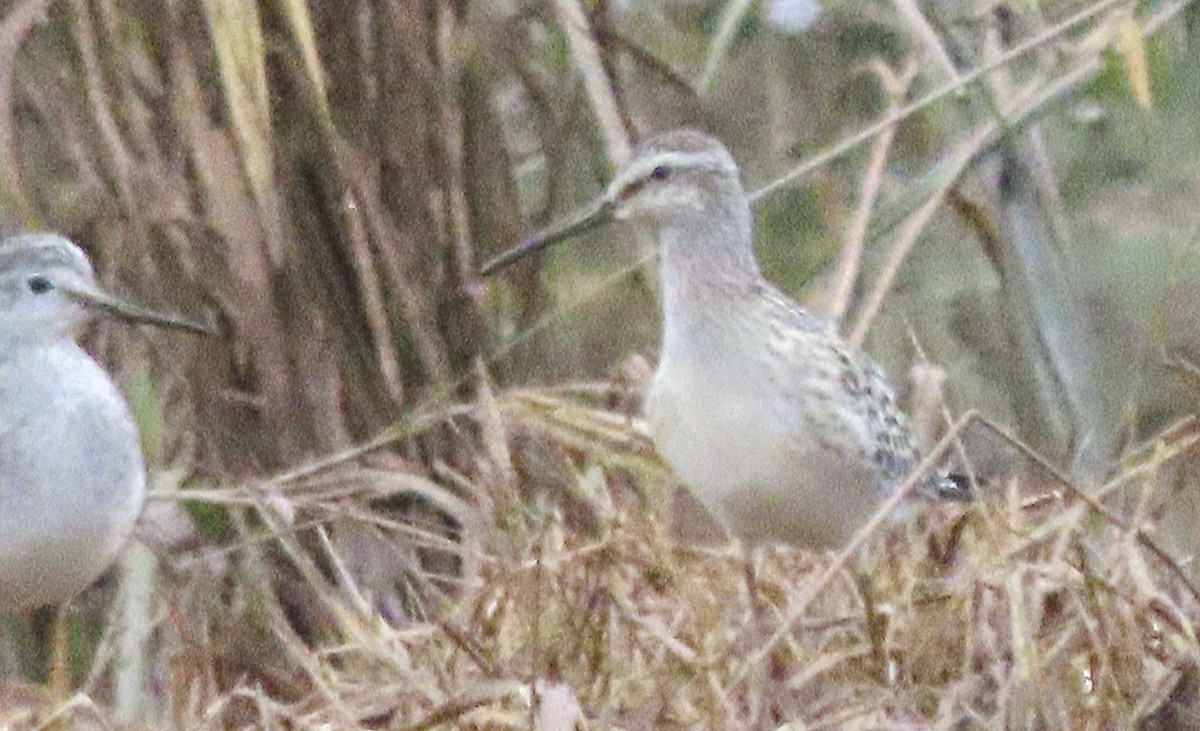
1025,611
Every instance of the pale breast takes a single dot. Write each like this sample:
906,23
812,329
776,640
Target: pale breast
72,480
754,458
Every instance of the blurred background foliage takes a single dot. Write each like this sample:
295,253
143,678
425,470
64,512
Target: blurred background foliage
325,176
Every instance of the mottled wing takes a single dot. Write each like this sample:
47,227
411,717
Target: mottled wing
848,401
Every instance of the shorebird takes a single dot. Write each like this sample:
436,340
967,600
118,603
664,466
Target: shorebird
781,429
72,477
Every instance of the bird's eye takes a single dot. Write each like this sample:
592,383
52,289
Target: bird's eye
40,284
659,173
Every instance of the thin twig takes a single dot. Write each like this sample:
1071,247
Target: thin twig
571,19
896,88
927,36
916,223
372,298
841,148
727,27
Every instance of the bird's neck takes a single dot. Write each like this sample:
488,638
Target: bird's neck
26,343
709,274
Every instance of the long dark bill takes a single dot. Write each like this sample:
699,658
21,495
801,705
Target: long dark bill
595,214
130,312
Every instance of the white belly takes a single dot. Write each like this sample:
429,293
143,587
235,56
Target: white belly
72,480
755,463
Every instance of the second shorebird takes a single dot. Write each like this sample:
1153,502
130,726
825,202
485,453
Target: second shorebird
780,428
72,478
